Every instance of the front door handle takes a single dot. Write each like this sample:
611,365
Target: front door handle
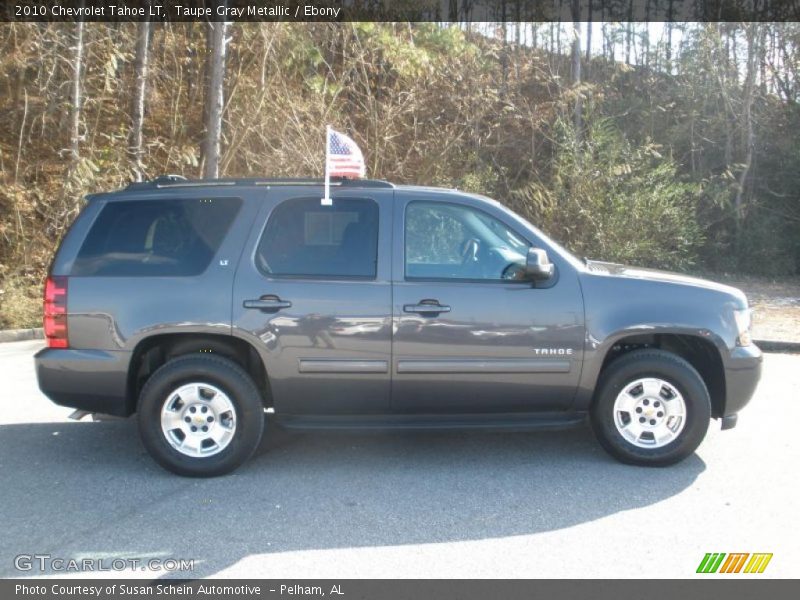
426,307
268,302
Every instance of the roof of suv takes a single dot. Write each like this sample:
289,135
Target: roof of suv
177,181
165,182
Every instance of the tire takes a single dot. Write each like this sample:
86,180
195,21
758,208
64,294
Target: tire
643,391
210,396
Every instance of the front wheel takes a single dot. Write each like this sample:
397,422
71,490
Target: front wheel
652,408
200,416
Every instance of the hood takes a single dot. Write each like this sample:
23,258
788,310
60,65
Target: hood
628,272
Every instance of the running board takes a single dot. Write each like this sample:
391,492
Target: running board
490,422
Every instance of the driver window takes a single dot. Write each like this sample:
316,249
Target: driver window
450,241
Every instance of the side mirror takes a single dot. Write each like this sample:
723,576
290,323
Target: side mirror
537,266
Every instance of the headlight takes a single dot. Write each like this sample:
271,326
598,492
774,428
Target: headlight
744,319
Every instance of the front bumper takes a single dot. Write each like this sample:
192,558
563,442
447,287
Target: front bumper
742,374
91,380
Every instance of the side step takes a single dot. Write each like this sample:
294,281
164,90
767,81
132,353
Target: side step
486,422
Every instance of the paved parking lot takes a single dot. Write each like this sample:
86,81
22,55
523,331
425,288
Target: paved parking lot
521,505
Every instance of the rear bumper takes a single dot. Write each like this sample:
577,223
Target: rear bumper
91,380
742,374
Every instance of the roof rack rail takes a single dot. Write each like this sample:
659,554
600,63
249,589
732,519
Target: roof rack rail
169,181
156,181
171,178
376,183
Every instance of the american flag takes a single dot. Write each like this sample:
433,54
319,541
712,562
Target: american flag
344,156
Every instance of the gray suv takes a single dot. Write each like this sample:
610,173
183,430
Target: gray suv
203,305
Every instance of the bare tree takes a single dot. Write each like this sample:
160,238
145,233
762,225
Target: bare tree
629,34
75,100
558,28
215,96
754,35
589,36
137,112
453,11
504,51
670,25
576,67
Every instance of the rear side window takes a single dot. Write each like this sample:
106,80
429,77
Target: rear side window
306,239
152,238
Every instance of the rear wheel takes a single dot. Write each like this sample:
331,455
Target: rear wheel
200,416
651,408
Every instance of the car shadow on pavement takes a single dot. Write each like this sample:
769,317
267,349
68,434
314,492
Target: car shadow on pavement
75,490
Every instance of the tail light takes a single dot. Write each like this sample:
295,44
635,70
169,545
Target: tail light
55,312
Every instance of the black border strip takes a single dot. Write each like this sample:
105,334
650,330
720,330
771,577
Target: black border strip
461,11
705,587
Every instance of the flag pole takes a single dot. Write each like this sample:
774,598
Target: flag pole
326,201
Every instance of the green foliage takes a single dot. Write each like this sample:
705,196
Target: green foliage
768,244
610,200
301,55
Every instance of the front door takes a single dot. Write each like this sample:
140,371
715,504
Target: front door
313,294
471,335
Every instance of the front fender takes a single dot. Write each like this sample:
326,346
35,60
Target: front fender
619,308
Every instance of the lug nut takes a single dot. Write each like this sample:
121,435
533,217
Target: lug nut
205,428
193,409
656,404
646,402
204,409
209,419
641,419
652,421
188,420
660,414
638,409
194,428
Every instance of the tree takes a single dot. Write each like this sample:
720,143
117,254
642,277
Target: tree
75,100
576,67
215,98
589,37
629,34
753,34
646,35
140,89
670,25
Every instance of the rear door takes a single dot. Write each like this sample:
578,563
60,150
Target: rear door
470,335
313,294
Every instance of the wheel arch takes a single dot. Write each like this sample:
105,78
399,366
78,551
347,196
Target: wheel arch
154,351
699,349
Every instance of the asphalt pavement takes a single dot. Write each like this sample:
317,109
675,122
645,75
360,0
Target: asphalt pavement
432,505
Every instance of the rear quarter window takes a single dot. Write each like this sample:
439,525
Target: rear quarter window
150,238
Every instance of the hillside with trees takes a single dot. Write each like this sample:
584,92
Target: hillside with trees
677,151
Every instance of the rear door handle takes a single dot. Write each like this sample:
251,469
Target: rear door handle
268,302
426,307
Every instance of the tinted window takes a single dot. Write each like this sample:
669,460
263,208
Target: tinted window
305,238
176,237
450,241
